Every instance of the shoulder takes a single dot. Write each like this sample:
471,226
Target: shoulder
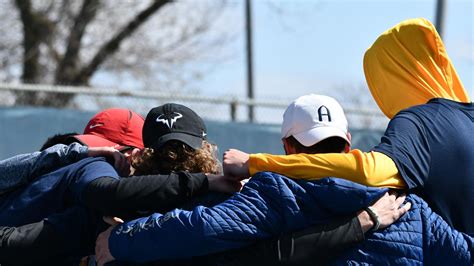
429,110
92,166
91,162
417,110
416,117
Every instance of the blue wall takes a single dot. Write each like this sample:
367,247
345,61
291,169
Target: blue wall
24,129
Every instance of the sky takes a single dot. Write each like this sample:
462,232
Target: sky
312,46
318,46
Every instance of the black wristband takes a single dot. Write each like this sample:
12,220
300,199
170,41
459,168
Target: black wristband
375,218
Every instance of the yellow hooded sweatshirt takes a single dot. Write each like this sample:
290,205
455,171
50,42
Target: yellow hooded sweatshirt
406,66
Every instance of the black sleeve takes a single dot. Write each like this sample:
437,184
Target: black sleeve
21,245
319,243
155,193
311,246
60,239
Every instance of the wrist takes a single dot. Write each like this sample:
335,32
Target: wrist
92,151
374,217
83,151
250,165
366,222
211,180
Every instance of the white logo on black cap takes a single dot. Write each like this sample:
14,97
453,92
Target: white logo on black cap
168,120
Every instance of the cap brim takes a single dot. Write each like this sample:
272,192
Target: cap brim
190,140
95,141
317,134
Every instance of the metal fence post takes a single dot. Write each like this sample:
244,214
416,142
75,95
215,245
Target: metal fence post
233,110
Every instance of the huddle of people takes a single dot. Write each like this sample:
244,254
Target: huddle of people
153,191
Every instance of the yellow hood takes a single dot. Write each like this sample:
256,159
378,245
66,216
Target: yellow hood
408,65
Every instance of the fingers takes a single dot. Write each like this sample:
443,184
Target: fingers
121,163
112,220
236,164
392,192
231,151
390,208
405,208
399,201
392,195
102,251
383,201
402,209
98,250
228,154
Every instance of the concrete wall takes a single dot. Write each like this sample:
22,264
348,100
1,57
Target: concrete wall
24,129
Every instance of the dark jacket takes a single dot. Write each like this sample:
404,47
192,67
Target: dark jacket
32,243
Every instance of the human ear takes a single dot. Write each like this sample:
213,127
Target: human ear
285,146
289,149
347,148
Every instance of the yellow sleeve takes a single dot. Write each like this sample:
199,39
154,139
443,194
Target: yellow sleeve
371,169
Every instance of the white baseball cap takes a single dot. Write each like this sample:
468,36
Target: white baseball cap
313,118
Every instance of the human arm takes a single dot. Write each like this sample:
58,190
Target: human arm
311,246
156,193
319,243
372,168
37,240
232,224
62,235
400,160
20,169
453,246
449,244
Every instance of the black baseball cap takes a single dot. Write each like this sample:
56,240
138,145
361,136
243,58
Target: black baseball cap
173,121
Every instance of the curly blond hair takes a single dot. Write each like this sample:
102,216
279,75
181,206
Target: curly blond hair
176,156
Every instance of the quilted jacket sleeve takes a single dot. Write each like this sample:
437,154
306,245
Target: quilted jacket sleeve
181,234
268,206
444,243
420,237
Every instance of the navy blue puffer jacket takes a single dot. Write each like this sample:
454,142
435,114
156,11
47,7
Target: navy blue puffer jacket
271,204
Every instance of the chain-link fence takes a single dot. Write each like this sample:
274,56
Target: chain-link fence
210,108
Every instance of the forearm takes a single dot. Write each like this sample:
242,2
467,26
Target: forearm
61,237
157,237
372,169
57,156
321,242
156,193
153,238
30,243
314,245
18,170
177,234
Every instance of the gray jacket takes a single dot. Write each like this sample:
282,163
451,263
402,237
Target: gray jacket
19,170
